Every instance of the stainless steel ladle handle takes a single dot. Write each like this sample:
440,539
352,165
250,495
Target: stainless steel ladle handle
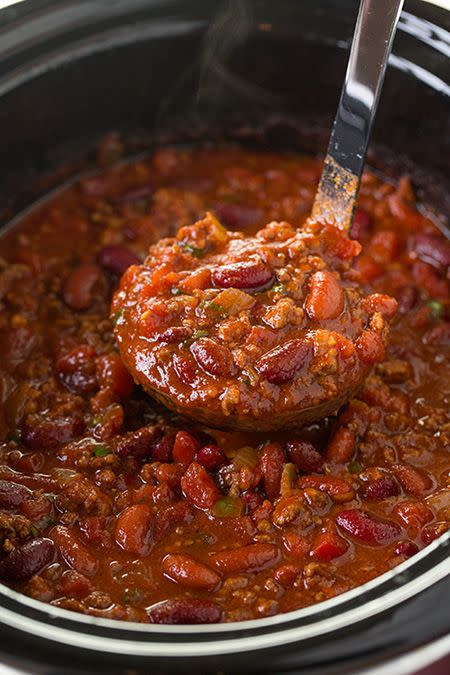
372,43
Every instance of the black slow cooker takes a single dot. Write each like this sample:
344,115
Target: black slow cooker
267,73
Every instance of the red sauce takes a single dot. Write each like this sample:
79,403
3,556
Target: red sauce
109,504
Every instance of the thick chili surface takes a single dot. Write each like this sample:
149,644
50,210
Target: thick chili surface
111,505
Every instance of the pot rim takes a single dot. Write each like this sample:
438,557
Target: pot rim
367,601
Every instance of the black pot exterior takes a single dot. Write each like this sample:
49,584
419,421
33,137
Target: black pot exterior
69,71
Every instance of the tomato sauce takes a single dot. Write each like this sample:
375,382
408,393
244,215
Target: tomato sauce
113,506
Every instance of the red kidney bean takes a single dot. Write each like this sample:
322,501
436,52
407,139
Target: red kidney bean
191,611
249,275
382,488
328,545
238,215
185,448
79,288
406,298
188,572
341,447
406,548
74,584
213,357
283,363
133,529
370,347
367,529
325,299
112,374
136,194
13,494
251,558
172,515
412,480
415,514
137,444
185,367
252,499
337,488
271,464
117,258
175,334
439,335
305,456
379,302
74,553
161,450
27,560
432,248
361,225
198,487
433,531
51,433
77,369
211,457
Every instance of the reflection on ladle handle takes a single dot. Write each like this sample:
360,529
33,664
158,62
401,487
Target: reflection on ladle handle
344,162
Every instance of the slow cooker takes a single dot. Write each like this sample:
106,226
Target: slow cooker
268,74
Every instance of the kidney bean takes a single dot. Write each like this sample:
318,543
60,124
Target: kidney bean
406,548
367,529
112,374
250,558
136,194
185,448
271,465
341,447
188,572
325,299
211,457
378,302
198,487
283,363
185,367
117,258
51,433
27,560
79,287
439,335
191,611
13,494
361,225
382,488
433,531
305,456
249,275
77,369
238,215
73,552
252,499
412,480
169,517
137,444
415,514
170,474
432,248
337,488
74,584
133,529
161,449
407,298
175,334
286,574
214,358
327,546
370,347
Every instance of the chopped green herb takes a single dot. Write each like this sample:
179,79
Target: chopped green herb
117,316
214,306
13,436
436,309
196,335
132,595
354,467
96,420
228,507
279,288
202,538
34,531
176,291
193,250
102,450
